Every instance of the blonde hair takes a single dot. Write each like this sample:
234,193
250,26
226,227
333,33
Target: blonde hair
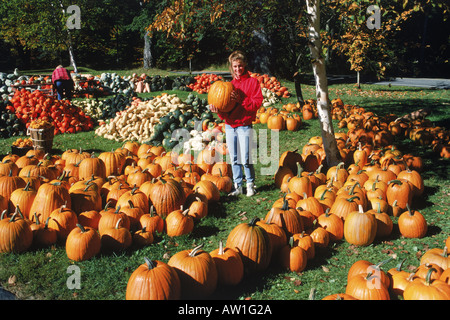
236,55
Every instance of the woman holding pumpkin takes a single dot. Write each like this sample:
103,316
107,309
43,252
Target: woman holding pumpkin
247,98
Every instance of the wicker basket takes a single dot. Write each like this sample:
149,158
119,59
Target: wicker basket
42,138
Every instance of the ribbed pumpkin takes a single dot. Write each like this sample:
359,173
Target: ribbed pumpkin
209,189
399,191
197,272
414,178
153,280
412,224
110,217
15,233
365,267
82,243
198,208
43,236
230,268
116,239
114,162
152,222
89,218
142,238
137,197
360,227
311,204
219,95
49,197
427,289
438,256
63,220
293,257
166,196
92,166
179,222
300,184
367,286
287,218
333,225
86,199
276,234
8,184
23,197
304,241
253,243
384,222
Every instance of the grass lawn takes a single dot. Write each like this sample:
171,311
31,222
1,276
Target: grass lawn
43,273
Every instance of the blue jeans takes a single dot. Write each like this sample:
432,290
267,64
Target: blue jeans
64,89
239,142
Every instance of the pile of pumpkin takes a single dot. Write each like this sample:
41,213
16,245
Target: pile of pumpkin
429,281
123,194
384,129
65,117
203,82
289,117
376,185
271,83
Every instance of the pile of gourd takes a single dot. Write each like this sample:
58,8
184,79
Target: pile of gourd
147,120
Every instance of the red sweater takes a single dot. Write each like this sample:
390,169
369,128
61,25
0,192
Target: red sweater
60,74
245,111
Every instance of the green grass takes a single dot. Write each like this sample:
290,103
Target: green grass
42,274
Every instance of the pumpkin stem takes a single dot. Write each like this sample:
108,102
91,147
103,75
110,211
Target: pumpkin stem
195,250
83,230
46,222
150,264
299,169
19,212
3,214
253,222
400,264
36,218
221,249
428,276
285,203
379,264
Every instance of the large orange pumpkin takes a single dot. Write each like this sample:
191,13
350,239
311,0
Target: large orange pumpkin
253,243
219,95
153,280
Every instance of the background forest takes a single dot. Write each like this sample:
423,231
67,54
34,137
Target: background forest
412,40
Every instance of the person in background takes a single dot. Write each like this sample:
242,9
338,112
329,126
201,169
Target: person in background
238,123
63,83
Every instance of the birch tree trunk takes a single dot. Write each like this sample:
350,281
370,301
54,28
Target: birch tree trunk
318,64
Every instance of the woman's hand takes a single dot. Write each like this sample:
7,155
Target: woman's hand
212,108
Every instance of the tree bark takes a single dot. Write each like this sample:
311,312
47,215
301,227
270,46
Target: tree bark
318,64
148,58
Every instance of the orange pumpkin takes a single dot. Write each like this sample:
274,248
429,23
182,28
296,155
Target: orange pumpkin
219,95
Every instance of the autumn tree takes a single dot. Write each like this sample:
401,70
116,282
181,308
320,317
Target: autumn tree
363,32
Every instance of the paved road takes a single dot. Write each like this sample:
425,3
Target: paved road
417,82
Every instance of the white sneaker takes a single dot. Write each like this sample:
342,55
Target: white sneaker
237,191
251,191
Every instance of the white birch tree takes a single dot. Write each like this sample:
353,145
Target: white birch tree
323,102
